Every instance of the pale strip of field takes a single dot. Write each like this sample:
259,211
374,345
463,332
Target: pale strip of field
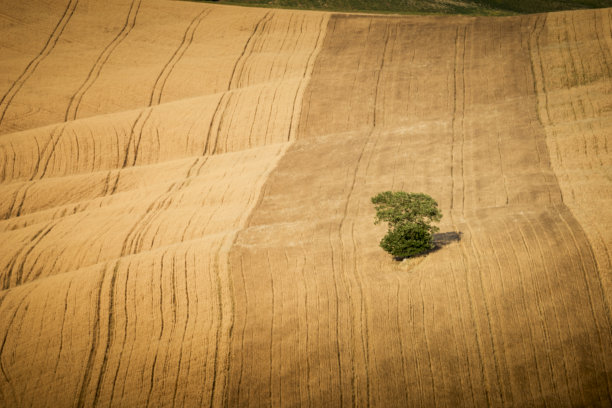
251,102
149,320
134,54
513,311
134,167
146,212
33,20
203,126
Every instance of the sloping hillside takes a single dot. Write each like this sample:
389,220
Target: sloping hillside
186,219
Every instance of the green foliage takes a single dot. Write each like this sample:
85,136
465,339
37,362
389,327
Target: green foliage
407,240
409,217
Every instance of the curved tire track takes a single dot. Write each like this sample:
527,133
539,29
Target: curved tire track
94,73
31,67
160,82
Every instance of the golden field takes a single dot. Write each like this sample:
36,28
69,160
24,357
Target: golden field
186,219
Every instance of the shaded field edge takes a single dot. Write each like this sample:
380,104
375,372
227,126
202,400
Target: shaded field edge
485,12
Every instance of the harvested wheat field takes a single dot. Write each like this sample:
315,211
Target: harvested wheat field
186,219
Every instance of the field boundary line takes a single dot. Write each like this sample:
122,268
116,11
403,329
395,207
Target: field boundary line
575,210
299,95
220,394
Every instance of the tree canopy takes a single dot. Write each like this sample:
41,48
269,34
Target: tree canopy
409,217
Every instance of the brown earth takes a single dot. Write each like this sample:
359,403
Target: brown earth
186,218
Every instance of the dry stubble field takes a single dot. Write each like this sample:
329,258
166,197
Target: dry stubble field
186,219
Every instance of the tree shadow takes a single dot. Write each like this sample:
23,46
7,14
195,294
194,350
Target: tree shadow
440,240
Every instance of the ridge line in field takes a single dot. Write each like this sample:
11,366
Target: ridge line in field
221,369
104,264
256,202
299,96
140,109
574,207
225,238
188,157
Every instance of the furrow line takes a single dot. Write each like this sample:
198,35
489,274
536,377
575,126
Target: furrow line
538,304
466,269
51,152
225,281
141,130
96,69
501,167
453,120
17,197
299,95
52,140
161,329
218,117
124,339
417,366
524,297
307,331
605,50
464,336
271,339
95,338
379,75
110,331
160,82
23,253
3,369
401,341
534,230
607,330
185,327
219,320
427,345
500,269
243,331
21,202
539,78
494,352
241,59
33,64
463,121
337,319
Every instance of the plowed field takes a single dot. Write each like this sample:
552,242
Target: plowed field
186,219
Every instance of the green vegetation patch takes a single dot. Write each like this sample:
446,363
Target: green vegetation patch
409,217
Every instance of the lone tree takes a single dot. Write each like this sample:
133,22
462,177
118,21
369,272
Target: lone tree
409,216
